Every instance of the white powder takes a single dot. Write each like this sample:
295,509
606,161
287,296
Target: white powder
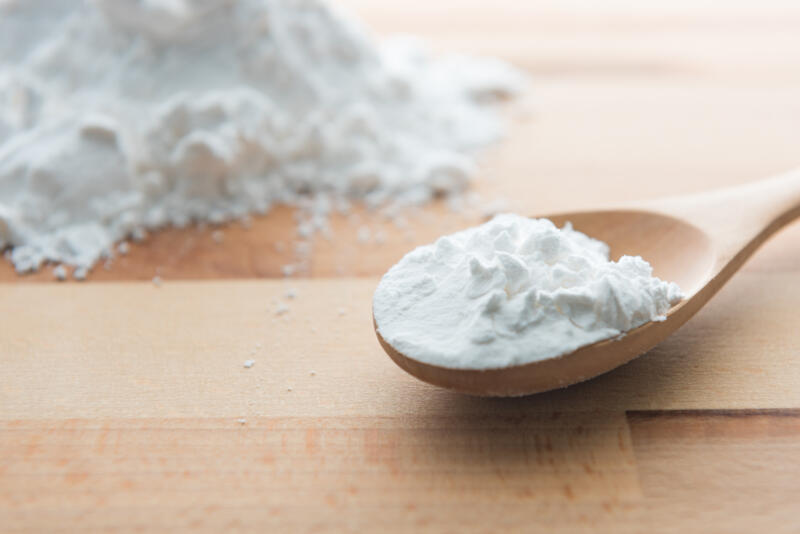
118,116
364,234
60,272
249,363
513,291
80,273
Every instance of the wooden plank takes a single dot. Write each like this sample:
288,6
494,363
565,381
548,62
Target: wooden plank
327,474
137,350
684,471
731,471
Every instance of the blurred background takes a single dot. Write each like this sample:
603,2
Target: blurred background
627,100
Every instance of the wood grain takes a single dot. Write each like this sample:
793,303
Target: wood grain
137,350
119,401
730,471
319,473
566,472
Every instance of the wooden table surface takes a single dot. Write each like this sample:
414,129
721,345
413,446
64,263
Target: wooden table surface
120,400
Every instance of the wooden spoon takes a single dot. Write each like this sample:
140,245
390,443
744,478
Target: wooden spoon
698,241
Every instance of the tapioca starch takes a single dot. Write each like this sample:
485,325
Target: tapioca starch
514,291
118,116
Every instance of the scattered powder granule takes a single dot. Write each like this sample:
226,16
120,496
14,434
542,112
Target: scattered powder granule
291,293
364,234
302,248
281,309
157,281
60,273
242,421
305,229
139,234
218,236
249,363
401,223
123,248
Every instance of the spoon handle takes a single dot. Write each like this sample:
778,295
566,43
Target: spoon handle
738,219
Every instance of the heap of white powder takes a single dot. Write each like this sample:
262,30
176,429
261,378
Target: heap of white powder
123,115
513,291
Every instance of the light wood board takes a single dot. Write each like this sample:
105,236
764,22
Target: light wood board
120,400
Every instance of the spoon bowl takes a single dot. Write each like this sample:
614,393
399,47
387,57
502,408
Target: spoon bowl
677,250
697,241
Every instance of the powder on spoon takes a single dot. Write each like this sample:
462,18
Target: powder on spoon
513,291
